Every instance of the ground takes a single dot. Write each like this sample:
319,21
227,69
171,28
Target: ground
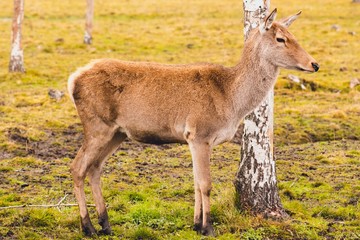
149,189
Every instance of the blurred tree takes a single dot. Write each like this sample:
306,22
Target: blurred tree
16,63
255,182
89,21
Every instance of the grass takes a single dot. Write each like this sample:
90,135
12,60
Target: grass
149,189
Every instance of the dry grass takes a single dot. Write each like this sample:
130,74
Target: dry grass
149,189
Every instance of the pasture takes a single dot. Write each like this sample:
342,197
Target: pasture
149,189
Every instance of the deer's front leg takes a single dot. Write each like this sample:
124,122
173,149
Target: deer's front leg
201,163
198,206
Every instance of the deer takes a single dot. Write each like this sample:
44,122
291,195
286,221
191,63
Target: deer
200,104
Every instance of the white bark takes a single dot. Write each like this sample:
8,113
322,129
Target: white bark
89,21
16,63
256,177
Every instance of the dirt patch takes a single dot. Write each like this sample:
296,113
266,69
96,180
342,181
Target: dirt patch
56,144
59,144
315,150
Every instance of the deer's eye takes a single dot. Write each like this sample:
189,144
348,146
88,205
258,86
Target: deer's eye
280,40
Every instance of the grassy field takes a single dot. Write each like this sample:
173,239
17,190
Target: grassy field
149,189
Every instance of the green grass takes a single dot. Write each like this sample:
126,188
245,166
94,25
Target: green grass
149,189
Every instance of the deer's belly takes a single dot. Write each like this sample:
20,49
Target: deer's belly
154,137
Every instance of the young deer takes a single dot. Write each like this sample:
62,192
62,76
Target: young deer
198,104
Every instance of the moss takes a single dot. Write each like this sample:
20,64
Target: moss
338,214
317,184
135,197
253,234
143,215
6,169
144,233
26,161
41,218
9,199
29,234
289,194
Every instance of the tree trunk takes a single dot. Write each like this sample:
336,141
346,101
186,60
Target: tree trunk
16,63
255,182
89,21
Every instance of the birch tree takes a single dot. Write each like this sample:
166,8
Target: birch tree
255,180
16,63
89,21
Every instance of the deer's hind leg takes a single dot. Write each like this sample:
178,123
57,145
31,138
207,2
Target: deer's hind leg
94,178
100,141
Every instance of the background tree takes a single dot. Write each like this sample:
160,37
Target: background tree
89,21
16,63
255,182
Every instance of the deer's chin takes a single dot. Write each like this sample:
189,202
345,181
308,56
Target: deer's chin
299,68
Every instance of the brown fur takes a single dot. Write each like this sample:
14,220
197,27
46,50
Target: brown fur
125,86
199,104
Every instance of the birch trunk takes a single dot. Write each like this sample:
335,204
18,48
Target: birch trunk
16,63
89,21
255,181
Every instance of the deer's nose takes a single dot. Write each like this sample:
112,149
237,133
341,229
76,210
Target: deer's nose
315,66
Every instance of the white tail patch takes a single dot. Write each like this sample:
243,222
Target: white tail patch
75,75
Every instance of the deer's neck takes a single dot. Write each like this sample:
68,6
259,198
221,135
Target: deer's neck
255,77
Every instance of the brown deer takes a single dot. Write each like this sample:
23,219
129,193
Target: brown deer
198,104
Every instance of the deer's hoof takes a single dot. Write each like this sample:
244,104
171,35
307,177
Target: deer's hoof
105,231
89,230
208,231
197,227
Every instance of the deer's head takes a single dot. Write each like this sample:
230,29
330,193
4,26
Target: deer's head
280,47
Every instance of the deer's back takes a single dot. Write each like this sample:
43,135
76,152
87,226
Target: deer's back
151,97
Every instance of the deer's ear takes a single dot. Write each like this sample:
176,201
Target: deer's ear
286,22
266,25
